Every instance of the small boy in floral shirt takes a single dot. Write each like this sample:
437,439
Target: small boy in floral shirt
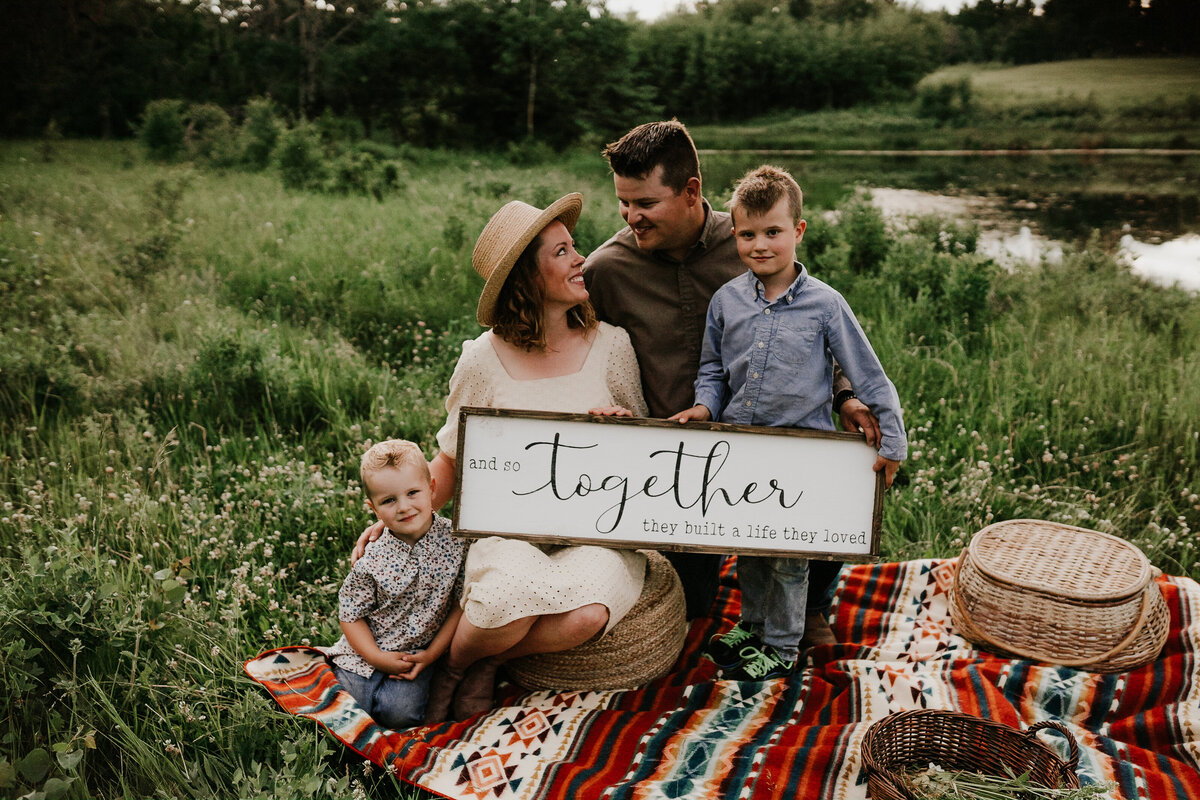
399,605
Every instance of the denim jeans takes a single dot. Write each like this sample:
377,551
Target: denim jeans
774,599
392,702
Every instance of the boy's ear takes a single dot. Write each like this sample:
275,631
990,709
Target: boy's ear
432,485
371,506
800,228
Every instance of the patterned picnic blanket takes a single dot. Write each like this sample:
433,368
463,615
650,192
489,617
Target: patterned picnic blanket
691,735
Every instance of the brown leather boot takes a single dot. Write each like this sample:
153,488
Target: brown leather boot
816,631
477,690
441,693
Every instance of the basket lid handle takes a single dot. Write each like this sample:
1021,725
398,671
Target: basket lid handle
1072,746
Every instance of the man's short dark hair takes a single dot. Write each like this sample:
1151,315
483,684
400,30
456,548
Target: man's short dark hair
637,153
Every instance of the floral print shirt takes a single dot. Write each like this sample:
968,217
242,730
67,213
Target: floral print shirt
403,591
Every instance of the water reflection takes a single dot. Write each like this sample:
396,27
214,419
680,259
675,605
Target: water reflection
1012,240
1176,262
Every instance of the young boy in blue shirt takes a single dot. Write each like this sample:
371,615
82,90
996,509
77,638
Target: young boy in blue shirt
769,342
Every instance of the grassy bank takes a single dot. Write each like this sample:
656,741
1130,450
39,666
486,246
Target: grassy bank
190,362
1123,103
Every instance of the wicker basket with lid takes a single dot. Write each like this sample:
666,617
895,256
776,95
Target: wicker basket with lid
1060,594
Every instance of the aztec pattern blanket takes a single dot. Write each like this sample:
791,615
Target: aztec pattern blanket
691,735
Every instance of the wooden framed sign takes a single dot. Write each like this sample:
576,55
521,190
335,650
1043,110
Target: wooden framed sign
642,483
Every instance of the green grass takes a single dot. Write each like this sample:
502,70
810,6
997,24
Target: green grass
190,362
1112,83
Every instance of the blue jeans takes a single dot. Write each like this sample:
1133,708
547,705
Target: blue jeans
774,599
392,702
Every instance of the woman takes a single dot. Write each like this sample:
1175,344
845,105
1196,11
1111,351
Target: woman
544,351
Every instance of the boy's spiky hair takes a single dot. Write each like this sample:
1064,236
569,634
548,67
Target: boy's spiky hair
760,189
393,453
637,153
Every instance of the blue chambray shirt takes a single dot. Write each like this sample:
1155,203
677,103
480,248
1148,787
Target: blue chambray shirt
771,363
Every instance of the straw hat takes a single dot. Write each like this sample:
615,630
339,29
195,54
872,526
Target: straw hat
505,237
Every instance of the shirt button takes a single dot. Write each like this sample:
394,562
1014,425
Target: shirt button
761,345
749,403
768,311
756,374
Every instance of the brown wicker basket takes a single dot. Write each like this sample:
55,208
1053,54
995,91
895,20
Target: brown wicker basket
643,645
1059,594
957,741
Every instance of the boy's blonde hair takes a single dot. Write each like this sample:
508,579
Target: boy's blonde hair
392,453
760,189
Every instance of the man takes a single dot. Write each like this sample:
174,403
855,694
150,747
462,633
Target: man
654,278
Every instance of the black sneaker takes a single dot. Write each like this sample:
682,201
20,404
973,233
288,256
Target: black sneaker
764,664
725,650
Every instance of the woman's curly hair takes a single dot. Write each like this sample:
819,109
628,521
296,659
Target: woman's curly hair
518,315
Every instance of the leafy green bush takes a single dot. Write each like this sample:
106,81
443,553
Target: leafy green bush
300,158
260,132
863,230
338,130
209,135
162,130
946,102
354,172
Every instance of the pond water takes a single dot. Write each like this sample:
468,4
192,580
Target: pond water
1145,208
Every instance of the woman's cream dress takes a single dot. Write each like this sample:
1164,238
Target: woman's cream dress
509,579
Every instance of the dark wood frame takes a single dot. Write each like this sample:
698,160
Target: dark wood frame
799,433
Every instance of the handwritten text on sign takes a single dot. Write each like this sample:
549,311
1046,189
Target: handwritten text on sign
657,484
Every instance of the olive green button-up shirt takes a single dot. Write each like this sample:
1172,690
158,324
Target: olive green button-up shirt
662,303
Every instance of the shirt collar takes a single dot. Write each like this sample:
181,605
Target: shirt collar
715,229
788,297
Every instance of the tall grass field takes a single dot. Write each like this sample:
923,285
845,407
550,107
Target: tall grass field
191,362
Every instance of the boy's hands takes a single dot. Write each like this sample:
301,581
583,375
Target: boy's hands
698,413
368,535
417,661
856,417
610,411
397,665
888,467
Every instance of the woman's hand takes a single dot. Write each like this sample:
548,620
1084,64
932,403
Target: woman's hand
610,411
697,412
368,535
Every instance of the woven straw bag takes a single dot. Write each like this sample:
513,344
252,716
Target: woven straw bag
643,645
956,741
1059,594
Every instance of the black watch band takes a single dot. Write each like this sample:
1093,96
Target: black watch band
840,398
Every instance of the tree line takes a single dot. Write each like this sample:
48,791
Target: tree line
487,72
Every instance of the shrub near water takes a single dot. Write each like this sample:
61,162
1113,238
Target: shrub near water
178,475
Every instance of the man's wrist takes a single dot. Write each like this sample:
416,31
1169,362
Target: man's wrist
840,399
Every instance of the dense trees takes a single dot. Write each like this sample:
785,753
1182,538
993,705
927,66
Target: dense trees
1022,31
489,72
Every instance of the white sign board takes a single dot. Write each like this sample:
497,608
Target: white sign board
621,482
